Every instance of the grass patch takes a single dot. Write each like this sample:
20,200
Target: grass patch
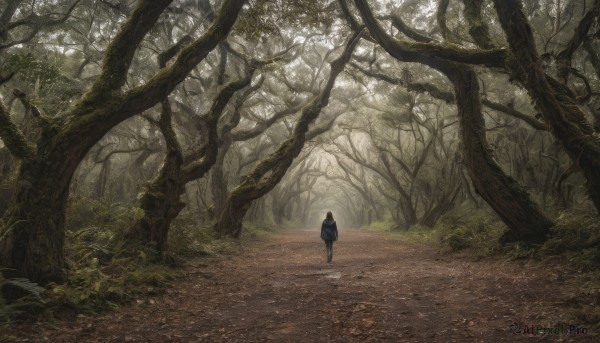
585,302
415,233
97,288
382,226
575,237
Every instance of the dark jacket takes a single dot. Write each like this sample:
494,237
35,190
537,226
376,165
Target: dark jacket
329,230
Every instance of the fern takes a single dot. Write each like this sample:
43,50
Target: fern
31,288
32,297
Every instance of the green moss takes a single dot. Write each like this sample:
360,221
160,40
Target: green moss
258,21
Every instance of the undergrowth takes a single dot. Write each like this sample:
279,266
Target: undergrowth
573,246
259,229
100,276
575,238
476,230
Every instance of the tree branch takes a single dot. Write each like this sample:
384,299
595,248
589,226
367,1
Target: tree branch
26,102
278,162
13,138
478,28
138,99
448,97
34,21
407,30
121,50
193,168
441,20
563,58
420,52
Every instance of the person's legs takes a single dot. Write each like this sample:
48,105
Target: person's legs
329,245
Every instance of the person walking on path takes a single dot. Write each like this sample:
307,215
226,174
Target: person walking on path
329,233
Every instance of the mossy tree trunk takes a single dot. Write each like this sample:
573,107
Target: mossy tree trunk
32,236
509,200
271,170
33,239
161,203
218,182
559,109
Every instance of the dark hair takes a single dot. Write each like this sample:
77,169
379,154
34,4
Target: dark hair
329,215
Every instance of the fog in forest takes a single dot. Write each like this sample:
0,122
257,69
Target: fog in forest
138,136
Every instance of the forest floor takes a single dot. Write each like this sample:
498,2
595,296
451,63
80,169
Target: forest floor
379,288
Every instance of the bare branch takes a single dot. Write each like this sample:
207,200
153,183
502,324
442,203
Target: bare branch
34,21
408,31
441,20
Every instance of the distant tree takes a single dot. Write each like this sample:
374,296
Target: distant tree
265,176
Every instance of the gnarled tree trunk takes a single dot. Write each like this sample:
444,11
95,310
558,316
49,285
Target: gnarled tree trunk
161,202
507,198
33,237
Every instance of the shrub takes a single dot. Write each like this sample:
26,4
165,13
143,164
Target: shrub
478,230
576,237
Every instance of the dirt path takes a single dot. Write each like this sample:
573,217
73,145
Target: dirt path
376,290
